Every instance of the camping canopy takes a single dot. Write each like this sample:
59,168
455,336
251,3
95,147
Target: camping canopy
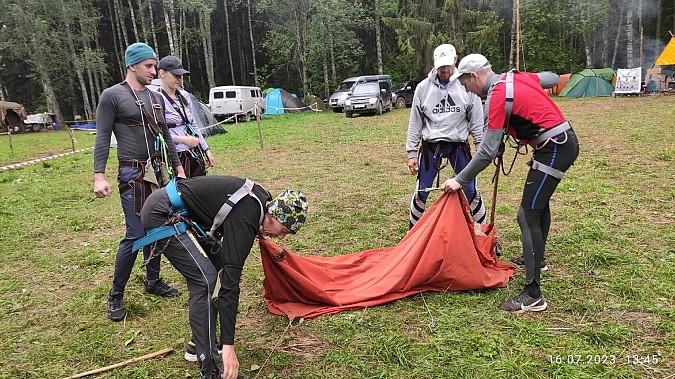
590,82
279,101
440,253
667,56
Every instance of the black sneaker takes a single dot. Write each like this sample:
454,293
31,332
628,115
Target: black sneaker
523,302
161,289
520,260
191,351
116,310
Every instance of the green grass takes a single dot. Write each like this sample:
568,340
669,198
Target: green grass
610,251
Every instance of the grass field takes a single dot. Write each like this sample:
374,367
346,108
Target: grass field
610,285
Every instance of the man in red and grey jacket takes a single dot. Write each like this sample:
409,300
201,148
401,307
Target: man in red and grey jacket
516,102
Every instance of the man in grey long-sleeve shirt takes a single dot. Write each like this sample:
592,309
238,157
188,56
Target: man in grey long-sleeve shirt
443,115
119,111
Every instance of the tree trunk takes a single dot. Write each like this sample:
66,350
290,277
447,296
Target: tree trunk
90,103
52,102
169,23
333,68
241,41
378,38
604,57
616,39
250,29
229,44
641,29
75,61
657,39
174,28
513,36
152,25
326,83
120,22
144,29
517,34
179,33
301,42
73,104
92,90
205,21
116,42
630,56
133,20
3,95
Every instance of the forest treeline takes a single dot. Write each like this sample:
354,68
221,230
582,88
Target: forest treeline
60,54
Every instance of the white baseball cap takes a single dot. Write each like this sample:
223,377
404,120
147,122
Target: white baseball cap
471,63
444,55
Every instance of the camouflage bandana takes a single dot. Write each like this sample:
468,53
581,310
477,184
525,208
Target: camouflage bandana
290,209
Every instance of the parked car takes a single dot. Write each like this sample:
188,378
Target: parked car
368,97
227,101
403,92
337,99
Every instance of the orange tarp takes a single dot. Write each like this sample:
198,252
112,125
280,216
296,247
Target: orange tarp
441,253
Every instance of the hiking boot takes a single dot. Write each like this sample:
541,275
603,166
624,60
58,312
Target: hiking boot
191,351
523,302
116,310
161,289
520,260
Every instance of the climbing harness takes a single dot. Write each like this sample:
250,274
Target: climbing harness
537,143
159,158
196,152
179,223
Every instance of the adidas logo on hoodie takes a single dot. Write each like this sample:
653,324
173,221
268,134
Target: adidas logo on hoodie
446,105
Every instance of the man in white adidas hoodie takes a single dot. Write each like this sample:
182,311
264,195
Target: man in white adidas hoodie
442,117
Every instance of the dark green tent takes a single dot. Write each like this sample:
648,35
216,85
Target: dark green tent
590,82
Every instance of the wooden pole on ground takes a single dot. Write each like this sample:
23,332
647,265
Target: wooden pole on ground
121,364
11,147
257,119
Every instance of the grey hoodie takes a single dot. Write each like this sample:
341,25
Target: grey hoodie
443,113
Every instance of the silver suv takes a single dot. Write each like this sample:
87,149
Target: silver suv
369,97
337,99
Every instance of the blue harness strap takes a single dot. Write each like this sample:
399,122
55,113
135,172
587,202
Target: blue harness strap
156,234
174,197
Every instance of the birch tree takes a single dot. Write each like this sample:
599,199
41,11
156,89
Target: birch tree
250,31
228,39
170,24
205,20
630,56
378,37
152,25
132,13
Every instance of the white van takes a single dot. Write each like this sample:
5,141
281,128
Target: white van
227,101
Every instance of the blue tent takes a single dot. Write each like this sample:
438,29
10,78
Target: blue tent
279,101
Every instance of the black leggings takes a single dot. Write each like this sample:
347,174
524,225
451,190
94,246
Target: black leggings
534,214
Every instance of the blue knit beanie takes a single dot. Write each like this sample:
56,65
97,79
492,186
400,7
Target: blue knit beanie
138,52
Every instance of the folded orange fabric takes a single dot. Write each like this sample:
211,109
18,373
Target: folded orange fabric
441,253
